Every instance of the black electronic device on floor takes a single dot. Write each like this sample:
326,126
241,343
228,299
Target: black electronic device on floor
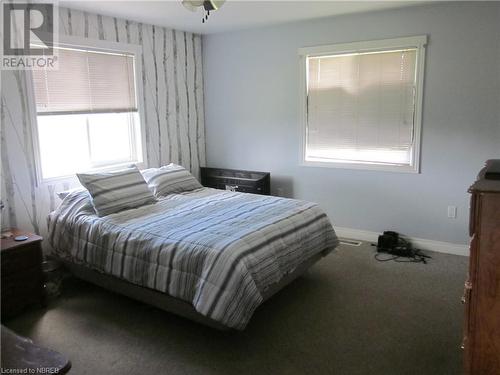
392,243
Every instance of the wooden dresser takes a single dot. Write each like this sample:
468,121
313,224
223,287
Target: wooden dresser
481,341
22,278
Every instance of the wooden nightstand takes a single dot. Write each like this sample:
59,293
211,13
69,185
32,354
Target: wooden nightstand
22,278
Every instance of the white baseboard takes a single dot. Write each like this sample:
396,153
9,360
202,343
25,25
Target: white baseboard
419,243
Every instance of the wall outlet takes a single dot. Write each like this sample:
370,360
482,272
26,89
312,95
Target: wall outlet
452,212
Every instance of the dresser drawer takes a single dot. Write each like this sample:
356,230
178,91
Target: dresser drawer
466,300
472,214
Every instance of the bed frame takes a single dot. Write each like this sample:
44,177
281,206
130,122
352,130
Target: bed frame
171,304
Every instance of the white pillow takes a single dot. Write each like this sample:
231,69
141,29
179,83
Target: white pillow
115,191
170,179
65,193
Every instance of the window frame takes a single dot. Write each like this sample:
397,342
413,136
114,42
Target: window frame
418,42
100,46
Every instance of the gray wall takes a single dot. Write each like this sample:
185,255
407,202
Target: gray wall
251,105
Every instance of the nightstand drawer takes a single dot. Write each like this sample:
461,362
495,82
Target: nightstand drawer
24,277
21,288
19,291
15,260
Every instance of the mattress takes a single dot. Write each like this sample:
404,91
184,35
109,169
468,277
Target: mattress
215,249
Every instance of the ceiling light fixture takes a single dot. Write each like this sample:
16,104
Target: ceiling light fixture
208,6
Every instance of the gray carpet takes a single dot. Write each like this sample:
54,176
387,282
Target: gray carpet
348,315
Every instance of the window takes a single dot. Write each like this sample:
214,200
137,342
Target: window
87,111
362,104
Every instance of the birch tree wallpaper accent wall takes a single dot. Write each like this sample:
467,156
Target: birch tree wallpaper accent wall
172,85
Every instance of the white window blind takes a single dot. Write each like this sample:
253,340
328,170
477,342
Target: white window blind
361,107
88,111
86,82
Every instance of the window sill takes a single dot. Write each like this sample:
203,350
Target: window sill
73,177
413,169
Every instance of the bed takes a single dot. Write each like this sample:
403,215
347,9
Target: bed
210,255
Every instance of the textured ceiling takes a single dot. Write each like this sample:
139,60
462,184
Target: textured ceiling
234,14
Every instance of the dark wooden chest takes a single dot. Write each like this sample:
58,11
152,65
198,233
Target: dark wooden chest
236,180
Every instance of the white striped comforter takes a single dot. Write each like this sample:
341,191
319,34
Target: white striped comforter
216,249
